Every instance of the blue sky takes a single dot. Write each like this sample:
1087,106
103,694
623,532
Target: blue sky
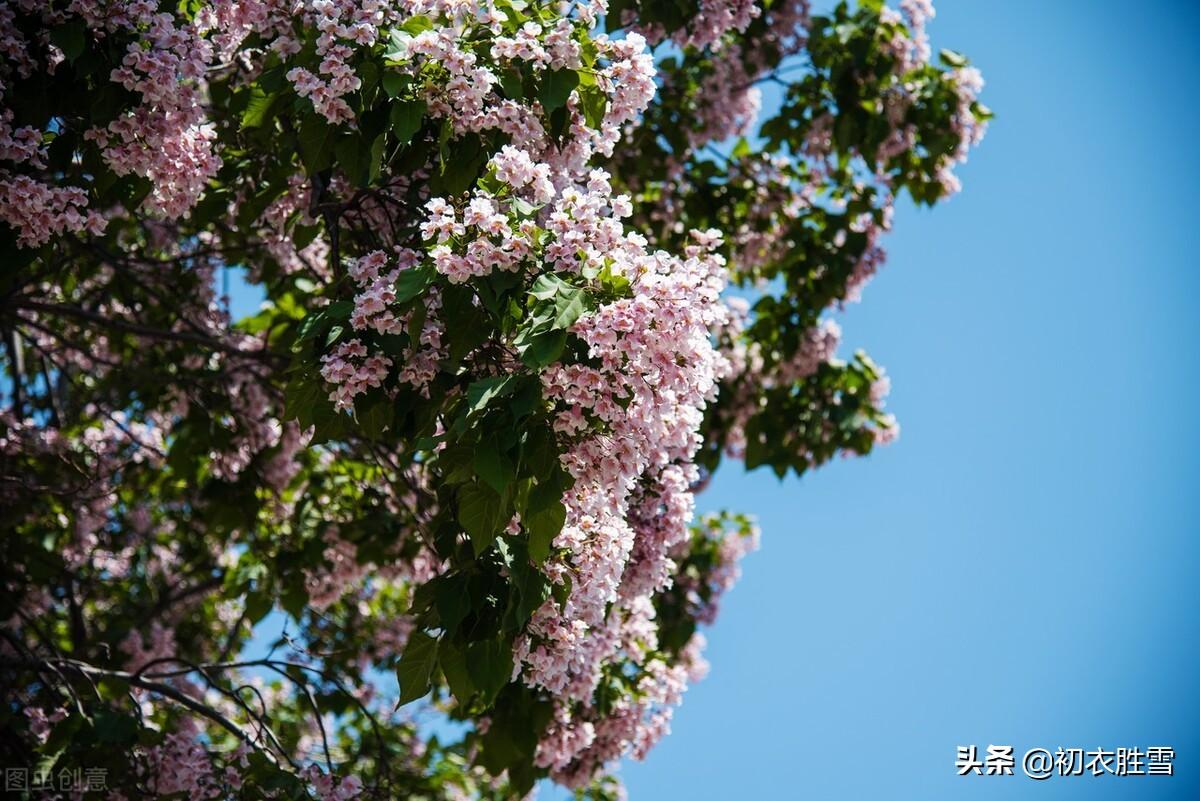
1021,567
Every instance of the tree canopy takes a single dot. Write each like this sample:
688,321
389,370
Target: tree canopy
531,272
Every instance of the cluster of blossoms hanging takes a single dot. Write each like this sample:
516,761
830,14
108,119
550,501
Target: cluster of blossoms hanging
495,361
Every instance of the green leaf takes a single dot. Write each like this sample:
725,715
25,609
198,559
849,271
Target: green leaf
568,302
524,207
453,660
559,120
568,307
258,110
466,325
412,282
490,665
407,116
595,104
541,458
556,88
416,667
301,396
64,734
258,605
952,59
417,24
273,79
510,82
394,83
543,337
456,463
543,526
493,466
375,160
485,390
398,42
132,190
294,599
517,721
453,600
444,134
547,286
376,417
352,158
481,513
115,728
614,283
462,164
71,38
315,142
530,587
542,349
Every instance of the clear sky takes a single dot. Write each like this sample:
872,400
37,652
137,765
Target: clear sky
1022,567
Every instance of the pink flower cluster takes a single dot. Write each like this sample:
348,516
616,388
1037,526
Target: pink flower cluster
233,20
277,237
343,25
912,51
968,82
873,255
787,29
374,310
341,572
282,467
379,592
101,451
352,372
41,724
586,225
141,650
817,346
579,741
733,544
625,73
727,102
578,745
728,99
629,81
918,13
346,789
373,304
583,223
181,765
516,168
466,94
483,240
13,46
37,211
555,49
772,209
716,18
254,428
165,139
631,501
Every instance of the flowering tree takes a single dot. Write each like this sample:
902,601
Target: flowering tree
455,453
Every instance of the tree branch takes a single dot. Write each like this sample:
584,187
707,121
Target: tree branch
63,310
158,688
